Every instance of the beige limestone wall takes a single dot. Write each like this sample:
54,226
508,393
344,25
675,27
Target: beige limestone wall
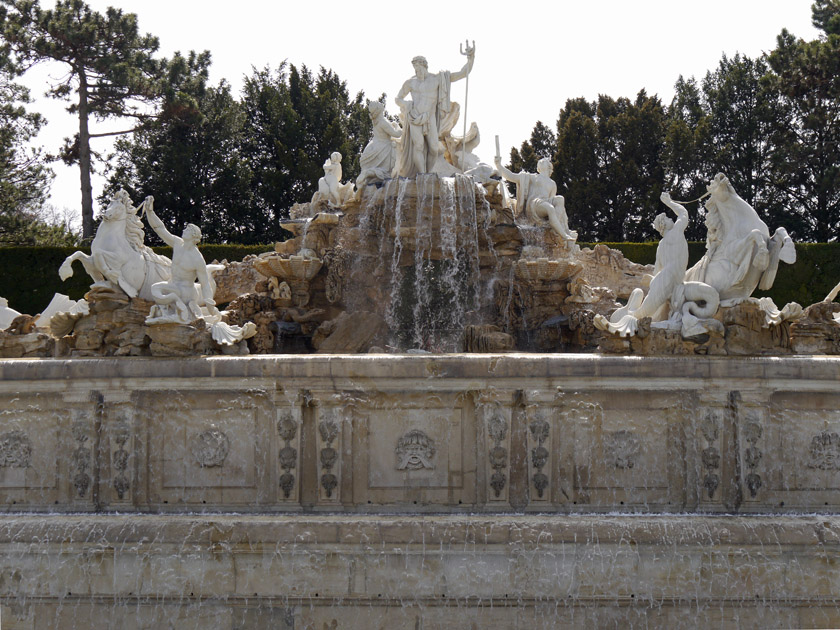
450,433
420,492
360,572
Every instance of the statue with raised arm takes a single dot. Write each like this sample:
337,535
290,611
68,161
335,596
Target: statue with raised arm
179,300
668,297
428,117
536,196
118,258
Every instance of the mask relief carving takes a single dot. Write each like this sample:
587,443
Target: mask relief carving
415,451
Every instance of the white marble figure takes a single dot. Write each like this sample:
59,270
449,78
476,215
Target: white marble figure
330,188
7,315
669,297
180,299
118,257
740,253
536,196
61,303
378,159
428,117
459,152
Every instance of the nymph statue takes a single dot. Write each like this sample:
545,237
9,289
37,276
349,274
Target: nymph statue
378,159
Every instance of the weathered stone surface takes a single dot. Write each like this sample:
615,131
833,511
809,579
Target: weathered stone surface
349,333
359,572
33,344
237,278
487,338
816,332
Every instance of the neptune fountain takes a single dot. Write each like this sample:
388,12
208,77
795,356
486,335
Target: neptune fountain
429,408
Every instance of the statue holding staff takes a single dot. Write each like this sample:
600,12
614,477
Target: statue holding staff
428,116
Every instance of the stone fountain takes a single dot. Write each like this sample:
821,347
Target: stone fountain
445,448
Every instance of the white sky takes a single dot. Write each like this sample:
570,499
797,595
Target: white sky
530,58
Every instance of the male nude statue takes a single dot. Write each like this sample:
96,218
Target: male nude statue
429,115
180,294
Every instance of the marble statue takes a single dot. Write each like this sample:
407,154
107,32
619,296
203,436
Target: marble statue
536,196
740,253
118,257
459,153
378,159
669,298
330,188
182,300
428,117
7,315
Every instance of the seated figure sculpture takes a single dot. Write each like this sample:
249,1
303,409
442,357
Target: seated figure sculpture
378,159
536,196
330,188
181,300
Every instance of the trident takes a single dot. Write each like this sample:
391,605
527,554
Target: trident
466,96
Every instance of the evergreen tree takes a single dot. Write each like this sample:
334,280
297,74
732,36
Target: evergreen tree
806,164
543,143
110,69
294,121
192,165
609,165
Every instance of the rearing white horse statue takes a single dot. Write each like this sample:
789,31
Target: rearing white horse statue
118,257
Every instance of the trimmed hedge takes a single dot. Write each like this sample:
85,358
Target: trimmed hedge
30,274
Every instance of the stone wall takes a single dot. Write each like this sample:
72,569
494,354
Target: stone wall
546,433
448,491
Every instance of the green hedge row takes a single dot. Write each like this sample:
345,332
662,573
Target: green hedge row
29,275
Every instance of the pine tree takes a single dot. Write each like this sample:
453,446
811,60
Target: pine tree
110,69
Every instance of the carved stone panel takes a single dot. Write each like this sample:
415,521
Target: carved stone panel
539,453
288,454
209,447
623,448
37,453
329,429
403,454
495,419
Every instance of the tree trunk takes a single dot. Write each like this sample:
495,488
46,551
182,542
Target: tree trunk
84,158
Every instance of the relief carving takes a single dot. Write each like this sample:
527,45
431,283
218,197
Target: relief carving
752,455
328,456
81,457
825,451
539,455
287,428
119,459
710,456
497,430
210,448
415,451
622,448
15,449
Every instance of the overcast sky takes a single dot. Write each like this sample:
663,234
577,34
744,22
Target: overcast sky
530,58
